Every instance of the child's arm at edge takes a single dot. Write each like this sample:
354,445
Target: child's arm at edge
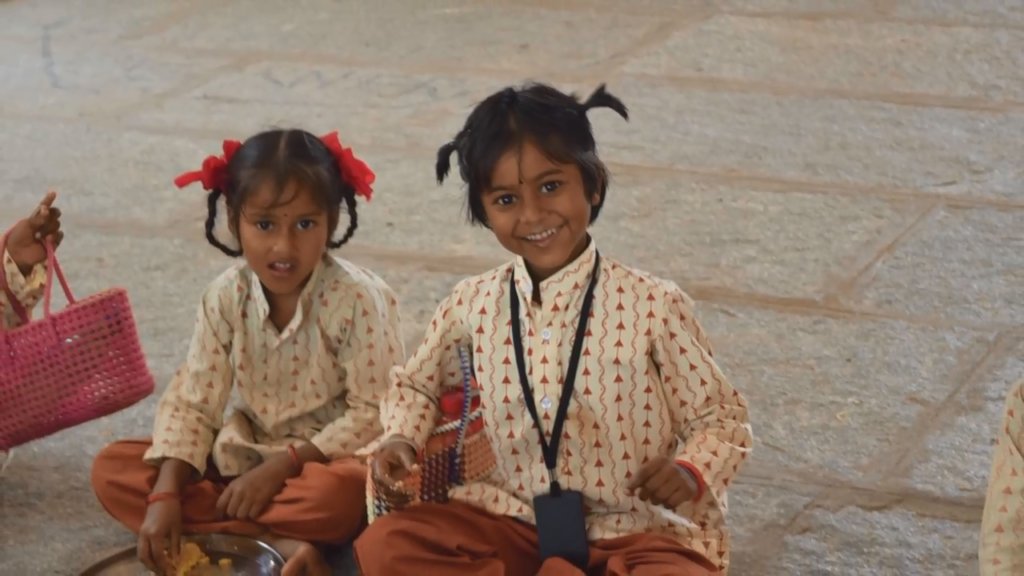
1001,547
710,416
23,259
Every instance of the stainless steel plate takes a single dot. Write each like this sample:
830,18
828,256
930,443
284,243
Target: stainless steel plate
248,557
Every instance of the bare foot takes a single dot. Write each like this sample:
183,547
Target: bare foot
301,558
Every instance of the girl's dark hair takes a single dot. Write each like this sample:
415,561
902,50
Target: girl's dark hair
555,122
281,157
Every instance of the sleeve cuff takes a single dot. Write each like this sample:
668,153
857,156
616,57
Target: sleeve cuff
415,436
330,450
698,478
23,286
399,437
155,456
370,447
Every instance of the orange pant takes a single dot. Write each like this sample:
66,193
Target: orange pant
461,540
325,503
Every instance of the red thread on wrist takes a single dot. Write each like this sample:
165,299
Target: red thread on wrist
158,496
296,463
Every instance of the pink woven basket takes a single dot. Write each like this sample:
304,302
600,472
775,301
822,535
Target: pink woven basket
81,363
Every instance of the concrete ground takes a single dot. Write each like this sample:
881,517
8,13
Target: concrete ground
837,182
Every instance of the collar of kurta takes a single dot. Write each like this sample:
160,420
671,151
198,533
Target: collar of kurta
562,286
263,306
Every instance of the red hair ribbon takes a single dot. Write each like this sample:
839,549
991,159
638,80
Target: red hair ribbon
214,173
354,171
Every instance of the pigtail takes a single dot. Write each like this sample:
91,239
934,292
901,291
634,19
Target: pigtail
349,194
602,99
509,97
444,160
211,222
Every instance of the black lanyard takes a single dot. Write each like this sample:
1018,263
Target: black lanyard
550,450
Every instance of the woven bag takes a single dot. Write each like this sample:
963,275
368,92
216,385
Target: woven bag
457,451
68,367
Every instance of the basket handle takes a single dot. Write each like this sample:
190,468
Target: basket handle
52,265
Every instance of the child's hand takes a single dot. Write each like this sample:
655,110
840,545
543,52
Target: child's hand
26,242
249,494
160,535
393,461
306,560
663,482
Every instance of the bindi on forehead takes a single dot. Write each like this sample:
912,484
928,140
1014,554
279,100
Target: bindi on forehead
516,169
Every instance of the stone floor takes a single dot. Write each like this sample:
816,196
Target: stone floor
837,182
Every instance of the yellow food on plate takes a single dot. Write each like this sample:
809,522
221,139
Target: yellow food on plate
192,561
190,558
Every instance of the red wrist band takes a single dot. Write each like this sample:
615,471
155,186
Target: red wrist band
295,458
158,496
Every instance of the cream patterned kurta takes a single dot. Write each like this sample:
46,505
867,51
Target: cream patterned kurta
319,380
647,386
1001,548
28,290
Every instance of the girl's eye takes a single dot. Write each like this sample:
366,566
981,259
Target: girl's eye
264,225
550,187
505,200
306,224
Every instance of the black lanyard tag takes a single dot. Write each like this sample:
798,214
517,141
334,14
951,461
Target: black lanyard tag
562,527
